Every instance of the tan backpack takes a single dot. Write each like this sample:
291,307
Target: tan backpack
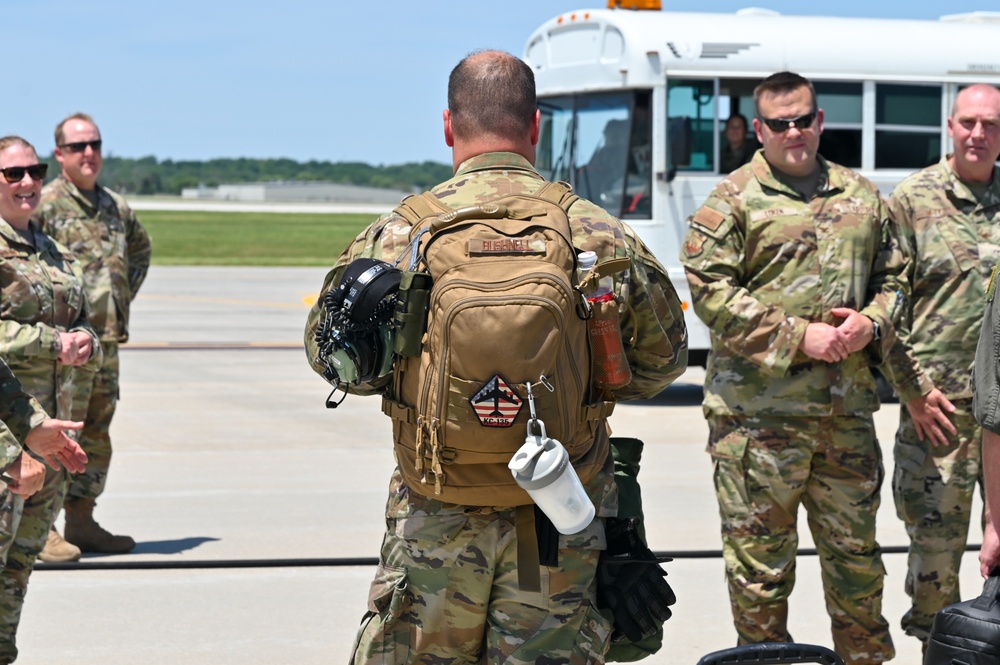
503,312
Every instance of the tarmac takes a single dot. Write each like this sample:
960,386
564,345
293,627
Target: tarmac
258,512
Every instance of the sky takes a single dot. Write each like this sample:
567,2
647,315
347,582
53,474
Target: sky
330,80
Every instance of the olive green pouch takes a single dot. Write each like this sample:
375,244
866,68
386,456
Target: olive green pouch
410,317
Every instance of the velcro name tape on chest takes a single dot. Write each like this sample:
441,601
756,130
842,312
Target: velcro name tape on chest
771,213
857,209
931,213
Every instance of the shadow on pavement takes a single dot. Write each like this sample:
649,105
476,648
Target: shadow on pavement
166,546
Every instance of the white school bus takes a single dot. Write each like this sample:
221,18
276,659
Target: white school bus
634,103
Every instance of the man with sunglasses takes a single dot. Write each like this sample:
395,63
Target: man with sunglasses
795,266
98,226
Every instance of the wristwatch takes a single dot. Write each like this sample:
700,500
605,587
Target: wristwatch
876,330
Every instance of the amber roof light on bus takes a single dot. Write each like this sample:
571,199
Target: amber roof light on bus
655,5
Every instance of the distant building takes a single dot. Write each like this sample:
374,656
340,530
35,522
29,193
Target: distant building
288,190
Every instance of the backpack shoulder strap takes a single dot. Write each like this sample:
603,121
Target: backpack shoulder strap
560,193
418,206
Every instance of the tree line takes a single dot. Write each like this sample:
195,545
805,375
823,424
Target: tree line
147,175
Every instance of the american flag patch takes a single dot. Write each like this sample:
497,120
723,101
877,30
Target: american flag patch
496,404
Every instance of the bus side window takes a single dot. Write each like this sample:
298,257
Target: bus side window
691,109
842,122
907,125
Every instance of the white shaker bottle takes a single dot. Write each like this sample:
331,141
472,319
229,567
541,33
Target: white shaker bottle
541,467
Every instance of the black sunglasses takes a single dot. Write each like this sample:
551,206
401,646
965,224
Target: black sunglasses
14,174
80,146
783,124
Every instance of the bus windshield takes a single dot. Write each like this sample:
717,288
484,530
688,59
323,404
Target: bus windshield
600,144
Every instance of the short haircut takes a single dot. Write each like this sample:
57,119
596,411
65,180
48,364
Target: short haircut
779,84
61,135
8,141
983,87
492,92
738,116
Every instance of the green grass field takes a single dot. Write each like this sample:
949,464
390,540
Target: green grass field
250,239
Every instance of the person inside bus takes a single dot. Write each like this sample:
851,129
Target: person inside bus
601,179
739,147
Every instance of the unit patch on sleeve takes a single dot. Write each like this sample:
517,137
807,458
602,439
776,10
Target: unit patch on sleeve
480,246
694,244
496,404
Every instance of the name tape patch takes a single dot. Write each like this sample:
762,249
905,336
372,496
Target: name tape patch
483,246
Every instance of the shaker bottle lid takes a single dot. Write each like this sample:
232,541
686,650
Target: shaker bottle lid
526,455
550,464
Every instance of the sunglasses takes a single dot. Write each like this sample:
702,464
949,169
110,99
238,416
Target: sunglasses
783,124
13,174
80,146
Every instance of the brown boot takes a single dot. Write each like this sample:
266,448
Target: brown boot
85,533
57,550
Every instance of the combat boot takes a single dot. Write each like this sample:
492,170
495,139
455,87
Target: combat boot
85,533
57,550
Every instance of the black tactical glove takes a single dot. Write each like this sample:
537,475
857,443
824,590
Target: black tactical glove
630,583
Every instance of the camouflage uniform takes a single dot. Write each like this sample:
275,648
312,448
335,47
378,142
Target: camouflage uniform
447,585
986,368
19,414
954,240
114,250
42,293
19,411
786,429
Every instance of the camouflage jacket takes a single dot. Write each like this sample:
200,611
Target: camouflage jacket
19,411
110,243
986,368
19,414
653,323
41,294
953,241
763,263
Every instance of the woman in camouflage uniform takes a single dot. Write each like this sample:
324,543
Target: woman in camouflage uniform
45,338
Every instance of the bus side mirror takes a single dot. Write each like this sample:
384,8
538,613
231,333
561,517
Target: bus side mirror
668,176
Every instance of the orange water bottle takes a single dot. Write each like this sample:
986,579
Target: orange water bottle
609,368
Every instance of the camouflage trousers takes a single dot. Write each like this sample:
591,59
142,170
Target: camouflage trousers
446,591
24,527
933,488
764,468
94,404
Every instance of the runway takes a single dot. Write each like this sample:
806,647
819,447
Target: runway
226,454
209,205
